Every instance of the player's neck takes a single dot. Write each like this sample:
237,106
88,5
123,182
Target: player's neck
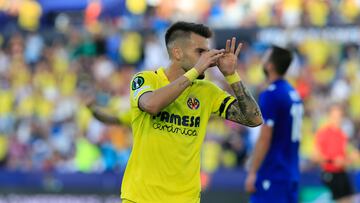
173,72
274,77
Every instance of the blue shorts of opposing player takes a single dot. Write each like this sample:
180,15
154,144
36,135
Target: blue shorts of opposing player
275,191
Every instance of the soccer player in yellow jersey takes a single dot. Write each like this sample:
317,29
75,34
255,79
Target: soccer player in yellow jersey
170,109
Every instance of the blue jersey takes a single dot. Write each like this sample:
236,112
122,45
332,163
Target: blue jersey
282,109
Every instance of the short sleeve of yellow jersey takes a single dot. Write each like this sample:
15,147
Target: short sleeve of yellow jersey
221,100
141,83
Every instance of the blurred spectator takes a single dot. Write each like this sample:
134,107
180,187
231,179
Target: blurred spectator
29,14
33,48
331,153
156,55
216,13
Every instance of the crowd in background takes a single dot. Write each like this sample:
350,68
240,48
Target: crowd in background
262,13
217,13
45,124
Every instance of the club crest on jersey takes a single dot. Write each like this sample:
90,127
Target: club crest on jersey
193,103
137,82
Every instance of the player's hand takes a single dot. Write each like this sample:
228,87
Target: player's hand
208,59
250,182
228,62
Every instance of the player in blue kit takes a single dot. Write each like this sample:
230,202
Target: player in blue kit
274,169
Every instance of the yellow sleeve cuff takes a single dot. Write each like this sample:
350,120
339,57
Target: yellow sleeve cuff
192,74
230,79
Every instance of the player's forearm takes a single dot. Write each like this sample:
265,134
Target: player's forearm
248,111
261,149
103,117
154,102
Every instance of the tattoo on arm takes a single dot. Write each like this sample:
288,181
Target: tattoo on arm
245,110
184,84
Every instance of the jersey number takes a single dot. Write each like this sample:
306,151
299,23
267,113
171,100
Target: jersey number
296,111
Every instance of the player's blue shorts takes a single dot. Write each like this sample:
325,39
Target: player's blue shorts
275,191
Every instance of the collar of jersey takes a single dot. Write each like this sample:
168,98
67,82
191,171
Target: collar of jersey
161,73
280,80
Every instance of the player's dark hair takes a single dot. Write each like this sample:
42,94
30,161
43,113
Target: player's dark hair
281,58
184,29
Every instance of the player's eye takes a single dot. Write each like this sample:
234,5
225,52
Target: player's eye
200,51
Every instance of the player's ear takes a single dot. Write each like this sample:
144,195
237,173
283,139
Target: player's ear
177,53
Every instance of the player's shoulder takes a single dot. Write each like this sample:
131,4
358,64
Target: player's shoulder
145,76
269,91
272,88
273,92
145,73
141,78
278,87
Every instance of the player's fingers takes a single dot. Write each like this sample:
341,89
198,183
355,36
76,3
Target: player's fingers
216,56
238,49
214,59
227,47
214,52
232,48
249,185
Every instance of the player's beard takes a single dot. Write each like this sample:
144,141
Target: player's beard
266,72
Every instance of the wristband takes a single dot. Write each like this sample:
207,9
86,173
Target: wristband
192,74
230,79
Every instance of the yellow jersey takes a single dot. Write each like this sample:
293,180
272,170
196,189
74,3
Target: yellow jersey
164,165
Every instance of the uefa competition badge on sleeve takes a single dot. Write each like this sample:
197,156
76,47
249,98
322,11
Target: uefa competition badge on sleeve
137,82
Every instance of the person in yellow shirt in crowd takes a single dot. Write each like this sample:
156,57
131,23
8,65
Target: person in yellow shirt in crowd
170,109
